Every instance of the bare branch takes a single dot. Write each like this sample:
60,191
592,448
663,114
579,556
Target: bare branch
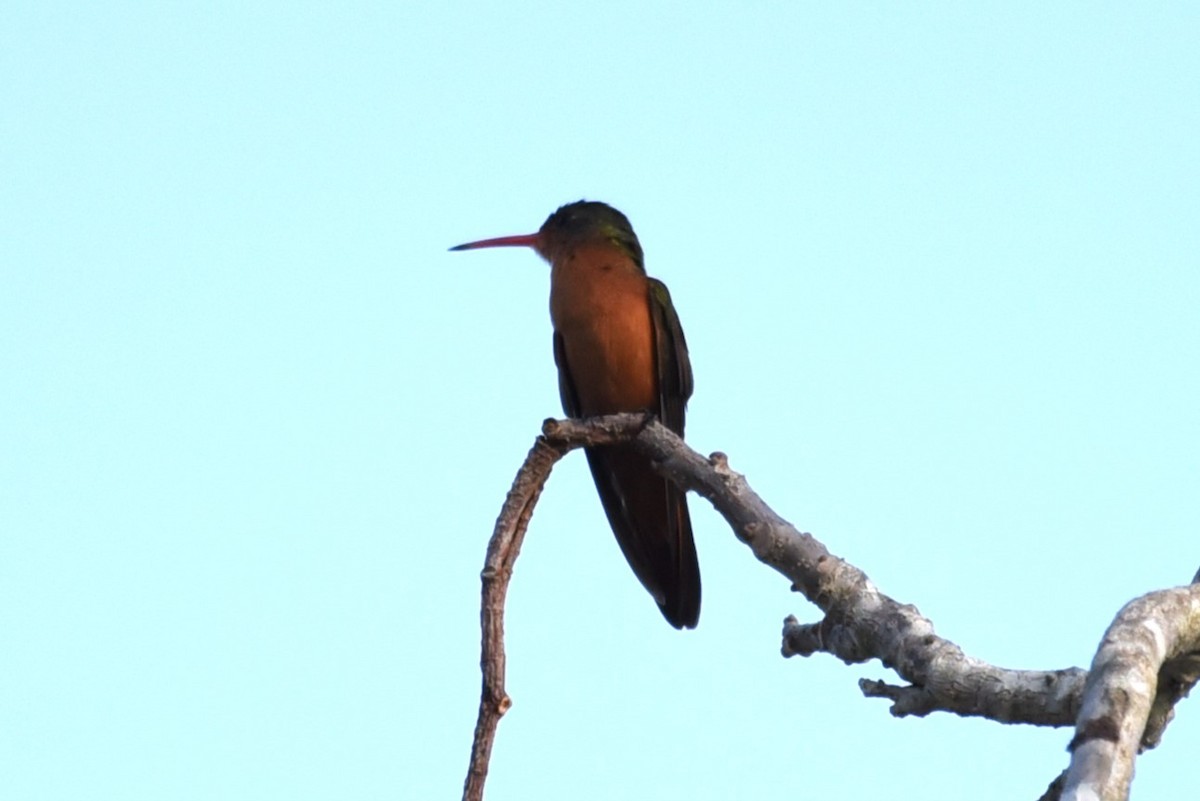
1154,640
502,552
860,623
1149,660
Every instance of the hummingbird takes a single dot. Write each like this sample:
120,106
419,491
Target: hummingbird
619,347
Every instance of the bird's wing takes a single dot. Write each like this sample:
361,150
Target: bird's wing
566,385
682,606
671,358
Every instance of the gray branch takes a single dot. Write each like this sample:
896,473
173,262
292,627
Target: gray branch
1148,661
860,623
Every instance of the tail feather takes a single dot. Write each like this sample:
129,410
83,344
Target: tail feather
649,517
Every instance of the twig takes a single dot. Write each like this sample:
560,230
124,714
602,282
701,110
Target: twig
503,549
502,552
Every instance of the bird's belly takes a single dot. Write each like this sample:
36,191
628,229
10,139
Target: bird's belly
610,354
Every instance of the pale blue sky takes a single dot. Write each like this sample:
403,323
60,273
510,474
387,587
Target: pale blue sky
938,271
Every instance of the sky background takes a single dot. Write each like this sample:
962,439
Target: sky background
937,266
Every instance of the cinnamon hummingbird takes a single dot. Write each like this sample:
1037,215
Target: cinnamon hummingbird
619,347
